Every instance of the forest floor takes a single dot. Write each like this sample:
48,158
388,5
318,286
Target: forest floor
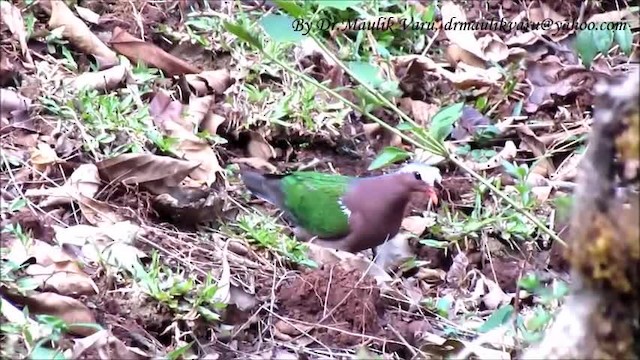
127,233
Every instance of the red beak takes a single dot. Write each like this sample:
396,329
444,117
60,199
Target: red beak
432,195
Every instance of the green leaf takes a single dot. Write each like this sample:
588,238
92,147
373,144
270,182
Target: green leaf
242,33
498,318
281,28
41,353
366,73
585,47
435,243
389,155
530,282
339,5
603,39
442,123
624,38
443,305
291,8
540,319
404,126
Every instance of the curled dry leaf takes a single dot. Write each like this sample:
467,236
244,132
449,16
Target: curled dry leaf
105,344
198,110
209,81
156,173
190,206
507,153
110,243
12,17
259,147
98,212
493,48
416,224
420,111
11,101
167,114
543,166
242,299
551,77
87,15
44,156
84,181
393,252
451,12
104,80
256,163
80,35
138,50
68,309
458,270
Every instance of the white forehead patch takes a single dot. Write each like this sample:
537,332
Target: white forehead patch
429,174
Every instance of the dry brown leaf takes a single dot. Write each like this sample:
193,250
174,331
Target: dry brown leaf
11,101
209,82
111,243
243,300
105,344
98,212
198,110
12,17
542,193
212,122
167,114
455,54
87,15
465,39
84,181
256,163
154,172
138,50
259,147
543,165
544,11
493,48
416,224
80,35
393,252
44,156
458,269
68,309
551,77
508,152
104,80
420,111
63,277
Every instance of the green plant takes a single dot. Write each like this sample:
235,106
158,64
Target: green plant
266,233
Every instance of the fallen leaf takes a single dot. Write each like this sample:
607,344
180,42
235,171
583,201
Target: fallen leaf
495,297
138,50
63,277
470,123
256,163
105,344
104,80
212,122
550,77
465,39
154,172
493,48
455,54
420,111
508,152
80,35
542,12
44,156
243,300
259,147
167,114
12,17
416,224
543,165
458,269
87,15
11,101
198,110
111,243
68,309
98,212
84,181
187,206
393,252
209,82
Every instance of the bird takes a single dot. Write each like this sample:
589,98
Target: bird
343,212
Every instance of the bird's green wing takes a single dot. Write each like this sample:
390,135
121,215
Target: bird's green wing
313,198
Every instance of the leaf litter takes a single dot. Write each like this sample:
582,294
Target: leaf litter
123,238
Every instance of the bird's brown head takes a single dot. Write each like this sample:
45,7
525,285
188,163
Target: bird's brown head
421,178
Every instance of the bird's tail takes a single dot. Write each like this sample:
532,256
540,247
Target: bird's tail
264,186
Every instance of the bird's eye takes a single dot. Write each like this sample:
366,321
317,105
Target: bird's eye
417,175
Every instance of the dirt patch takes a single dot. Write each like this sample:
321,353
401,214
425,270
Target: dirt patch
343,305
335,297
